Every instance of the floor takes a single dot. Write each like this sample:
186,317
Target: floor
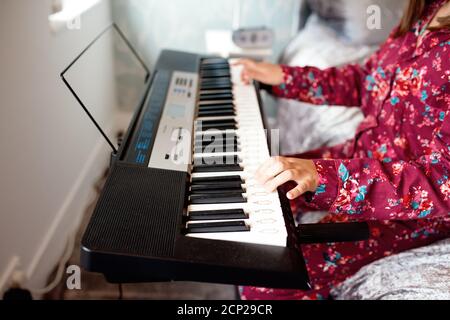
94,286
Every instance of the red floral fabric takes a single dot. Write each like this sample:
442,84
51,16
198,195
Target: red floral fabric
395,173
330,264
397,166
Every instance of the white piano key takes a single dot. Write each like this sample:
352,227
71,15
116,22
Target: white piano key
217,154
265,216
254,218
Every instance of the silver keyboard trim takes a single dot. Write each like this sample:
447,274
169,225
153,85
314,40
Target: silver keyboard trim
173,143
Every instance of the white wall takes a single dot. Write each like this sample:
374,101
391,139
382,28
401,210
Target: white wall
49,151
153,25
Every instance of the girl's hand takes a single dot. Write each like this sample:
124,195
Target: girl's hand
279,170
264,72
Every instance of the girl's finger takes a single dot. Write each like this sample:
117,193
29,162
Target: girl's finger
245,77
263,168
279,180
270,172
297,191
240,62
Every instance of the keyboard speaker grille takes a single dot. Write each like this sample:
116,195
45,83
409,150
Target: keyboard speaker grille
138,213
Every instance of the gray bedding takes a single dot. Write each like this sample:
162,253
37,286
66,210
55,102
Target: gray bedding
422,273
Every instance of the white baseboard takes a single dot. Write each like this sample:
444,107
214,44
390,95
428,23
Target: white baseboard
68,218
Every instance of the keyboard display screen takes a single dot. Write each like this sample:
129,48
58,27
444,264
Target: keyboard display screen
140,151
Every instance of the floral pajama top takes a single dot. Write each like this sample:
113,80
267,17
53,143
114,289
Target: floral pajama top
398,164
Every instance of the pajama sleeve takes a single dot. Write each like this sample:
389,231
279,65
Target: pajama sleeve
333,86
402,190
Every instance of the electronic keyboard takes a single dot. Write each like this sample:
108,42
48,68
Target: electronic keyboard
181,202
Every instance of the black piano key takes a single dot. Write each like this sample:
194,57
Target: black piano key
212,123
215,69
219,107
211,74
210,83
232,214
219,137
217,121
204,98
216,107
224,69
217,72
215,75
209,168
222,80
208,136
215,180
205,127
230,144
210,64
216,191
217,198
221,96
214,188
218,142
211,113
216,80
221,64
216,227
212,86
221,68
215,66
222,85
